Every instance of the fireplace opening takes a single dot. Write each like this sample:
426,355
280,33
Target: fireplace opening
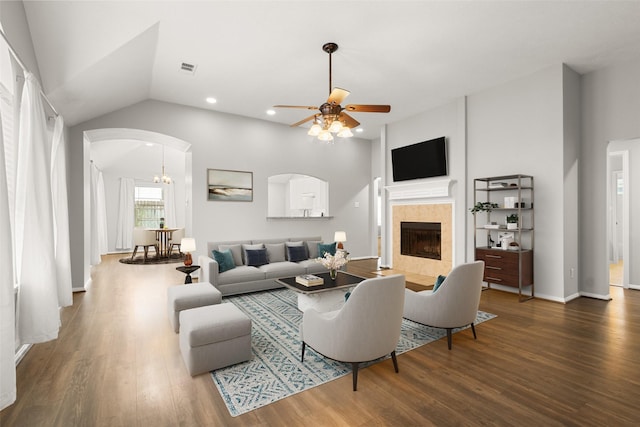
421,239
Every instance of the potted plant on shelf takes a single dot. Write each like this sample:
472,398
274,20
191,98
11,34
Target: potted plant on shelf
512,221
483,207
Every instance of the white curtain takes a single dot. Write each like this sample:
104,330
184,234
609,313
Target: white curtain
61,214
38,317
126,214
169,205
99,242
7,302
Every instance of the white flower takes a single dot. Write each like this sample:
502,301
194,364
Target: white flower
333,262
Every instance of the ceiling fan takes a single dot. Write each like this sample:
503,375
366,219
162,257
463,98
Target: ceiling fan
332,117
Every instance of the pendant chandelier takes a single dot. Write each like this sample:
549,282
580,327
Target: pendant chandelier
165,179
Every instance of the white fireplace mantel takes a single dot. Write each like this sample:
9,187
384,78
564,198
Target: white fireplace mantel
423,190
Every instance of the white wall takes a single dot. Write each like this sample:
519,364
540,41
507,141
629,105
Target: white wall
517,128
610,111
226,141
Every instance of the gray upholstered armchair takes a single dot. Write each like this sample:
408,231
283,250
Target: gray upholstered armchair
453,305
366,328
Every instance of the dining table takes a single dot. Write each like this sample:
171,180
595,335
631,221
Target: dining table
163,236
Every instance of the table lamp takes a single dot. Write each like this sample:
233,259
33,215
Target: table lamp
340,237
188,245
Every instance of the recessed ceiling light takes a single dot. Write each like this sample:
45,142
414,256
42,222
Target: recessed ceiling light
271,112
359,130
211,100
149,144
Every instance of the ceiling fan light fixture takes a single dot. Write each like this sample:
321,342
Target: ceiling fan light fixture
315,130
325,135
335,126
345,132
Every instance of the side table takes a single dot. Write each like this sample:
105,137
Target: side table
188,270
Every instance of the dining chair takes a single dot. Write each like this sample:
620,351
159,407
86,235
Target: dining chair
146,239
176,237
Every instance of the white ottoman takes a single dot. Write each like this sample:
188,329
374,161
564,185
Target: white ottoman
213,337
184,297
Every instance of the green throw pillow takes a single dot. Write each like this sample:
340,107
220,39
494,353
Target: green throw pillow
439,281
224,260
329,247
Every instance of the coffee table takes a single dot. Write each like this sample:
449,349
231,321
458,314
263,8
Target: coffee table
328,296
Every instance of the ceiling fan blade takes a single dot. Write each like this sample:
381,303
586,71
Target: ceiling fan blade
337,95
368,108
348,120
306,107
303,121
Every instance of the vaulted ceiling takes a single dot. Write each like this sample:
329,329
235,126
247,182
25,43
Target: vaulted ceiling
98,56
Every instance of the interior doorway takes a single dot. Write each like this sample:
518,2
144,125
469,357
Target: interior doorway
619,206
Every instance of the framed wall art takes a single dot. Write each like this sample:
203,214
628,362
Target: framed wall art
229,186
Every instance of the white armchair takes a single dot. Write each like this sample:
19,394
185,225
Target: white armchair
146,239
366,328
453,305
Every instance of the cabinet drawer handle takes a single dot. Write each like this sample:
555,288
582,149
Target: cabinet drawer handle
494,256
493,279
492,267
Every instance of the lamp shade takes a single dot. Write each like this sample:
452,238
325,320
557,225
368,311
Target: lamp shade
340,236
188,244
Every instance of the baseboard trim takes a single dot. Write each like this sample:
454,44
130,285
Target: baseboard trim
22,351
606,297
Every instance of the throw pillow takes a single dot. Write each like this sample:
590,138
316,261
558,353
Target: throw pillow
245,247
312,248
275,252
296,253
256,257
224,260
329,247
236,251
439,281
295,245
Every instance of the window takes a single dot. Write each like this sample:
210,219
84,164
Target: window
149,206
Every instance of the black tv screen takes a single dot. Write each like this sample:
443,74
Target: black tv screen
422,160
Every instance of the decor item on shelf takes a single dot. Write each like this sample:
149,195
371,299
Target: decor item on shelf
483,207
334,262
512,222
340,237
506,239
332,119
187,245
165,179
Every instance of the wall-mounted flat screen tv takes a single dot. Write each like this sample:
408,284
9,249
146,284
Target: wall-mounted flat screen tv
422,160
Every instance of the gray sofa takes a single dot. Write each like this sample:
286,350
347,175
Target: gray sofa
244,278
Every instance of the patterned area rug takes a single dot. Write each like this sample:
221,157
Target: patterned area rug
275,371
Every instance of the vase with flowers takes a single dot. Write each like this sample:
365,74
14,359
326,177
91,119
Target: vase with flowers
334,262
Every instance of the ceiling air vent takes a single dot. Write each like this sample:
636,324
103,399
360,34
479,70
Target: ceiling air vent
188,68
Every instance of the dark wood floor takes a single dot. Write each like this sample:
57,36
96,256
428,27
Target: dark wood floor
539,363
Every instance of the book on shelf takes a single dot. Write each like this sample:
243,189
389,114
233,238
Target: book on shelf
309,280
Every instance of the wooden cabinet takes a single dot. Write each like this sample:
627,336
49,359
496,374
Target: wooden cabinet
507,250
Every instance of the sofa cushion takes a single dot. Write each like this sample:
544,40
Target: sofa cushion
275,252
243,273
224,260
236,251
246,247
297,253
438,282
256,257
312,248
328,247
278,270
